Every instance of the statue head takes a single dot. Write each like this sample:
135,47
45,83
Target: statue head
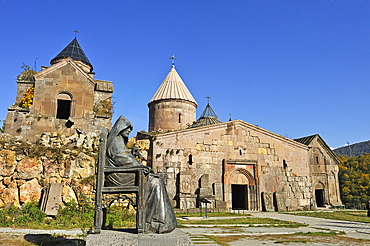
122,128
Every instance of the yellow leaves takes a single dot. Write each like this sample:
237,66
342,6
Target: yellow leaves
345,191
27,100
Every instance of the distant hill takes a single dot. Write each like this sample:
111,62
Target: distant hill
356,149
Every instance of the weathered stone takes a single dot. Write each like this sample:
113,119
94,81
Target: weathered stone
204,181
10,194
8,205
217,187
7,180
280,201
30,191
65,167
29,168
85,166
221,204
50,166
205,192
185,183
68,194
7,162
267,201
51,199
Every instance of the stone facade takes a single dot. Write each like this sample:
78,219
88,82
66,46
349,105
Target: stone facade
66,98
239,160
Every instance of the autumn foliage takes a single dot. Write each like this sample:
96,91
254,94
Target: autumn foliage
27,99
354,179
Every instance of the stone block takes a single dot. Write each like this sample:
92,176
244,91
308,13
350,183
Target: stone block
128,238
217,187
51,199
280,204
221,204
204,181
267,201
185,183
205,192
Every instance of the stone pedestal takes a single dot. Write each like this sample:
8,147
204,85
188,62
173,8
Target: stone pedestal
129,238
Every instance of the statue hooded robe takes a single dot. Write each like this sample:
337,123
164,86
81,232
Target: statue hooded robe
159,215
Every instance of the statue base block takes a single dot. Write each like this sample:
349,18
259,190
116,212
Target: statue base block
127,237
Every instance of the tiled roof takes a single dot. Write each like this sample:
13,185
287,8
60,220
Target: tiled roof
173,87
74,51
208,117
306,140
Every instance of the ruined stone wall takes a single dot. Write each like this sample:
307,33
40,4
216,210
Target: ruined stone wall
26,168
238,145
164,115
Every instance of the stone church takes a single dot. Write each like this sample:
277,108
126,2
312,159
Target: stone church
61,98
234,164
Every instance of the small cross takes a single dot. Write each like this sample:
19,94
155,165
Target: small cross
208,97
173,58
76,33
230,117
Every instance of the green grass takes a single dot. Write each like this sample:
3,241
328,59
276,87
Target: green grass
356,216
215,214
265,222
68,217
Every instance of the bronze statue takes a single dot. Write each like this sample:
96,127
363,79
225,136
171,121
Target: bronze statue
158,215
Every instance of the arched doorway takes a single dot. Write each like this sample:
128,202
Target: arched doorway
243,190
64,102
320,195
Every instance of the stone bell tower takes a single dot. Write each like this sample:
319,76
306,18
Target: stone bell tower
172,106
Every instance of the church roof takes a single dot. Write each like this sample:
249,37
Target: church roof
208,117
306,140
73,50
173,87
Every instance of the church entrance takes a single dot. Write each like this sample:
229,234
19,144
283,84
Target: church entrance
244,197
319,195
239,195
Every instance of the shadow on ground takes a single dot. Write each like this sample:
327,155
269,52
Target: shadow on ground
48,239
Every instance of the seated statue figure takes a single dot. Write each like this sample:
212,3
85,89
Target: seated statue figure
159,215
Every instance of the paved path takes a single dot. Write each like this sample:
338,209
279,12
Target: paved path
197,234
352,229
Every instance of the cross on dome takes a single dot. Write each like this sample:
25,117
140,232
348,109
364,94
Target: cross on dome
173,58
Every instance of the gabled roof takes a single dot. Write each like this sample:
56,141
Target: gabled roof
307,141
208,117
63,63
74,51
173,87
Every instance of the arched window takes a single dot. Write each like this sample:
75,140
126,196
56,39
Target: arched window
64,102
180,118
190,159
284,164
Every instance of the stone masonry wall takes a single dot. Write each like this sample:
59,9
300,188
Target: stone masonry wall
241,143
26,168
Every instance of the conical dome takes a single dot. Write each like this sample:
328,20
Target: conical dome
208,117
173,87
74,51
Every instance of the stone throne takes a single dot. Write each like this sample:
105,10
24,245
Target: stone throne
138,188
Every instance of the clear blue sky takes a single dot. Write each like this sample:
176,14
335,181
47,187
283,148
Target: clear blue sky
295,67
